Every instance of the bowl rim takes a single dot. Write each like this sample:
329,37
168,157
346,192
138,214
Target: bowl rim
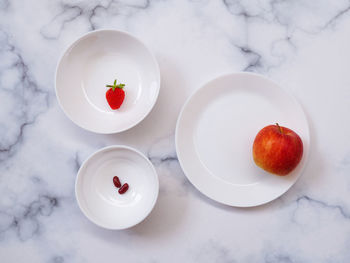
86,35
80,174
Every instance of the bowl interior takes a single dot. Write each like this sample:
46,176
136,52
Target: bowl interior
94,61
99,199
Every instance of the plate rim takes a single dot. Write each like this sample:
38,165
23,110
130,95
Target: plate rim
83,36
290,96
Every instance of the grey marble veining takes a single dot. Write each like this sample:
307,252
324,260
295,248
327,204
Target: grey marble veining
303,45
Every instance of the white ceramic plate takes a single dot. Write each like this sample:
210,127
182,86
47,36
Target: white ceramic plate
95,60
215,134
99,199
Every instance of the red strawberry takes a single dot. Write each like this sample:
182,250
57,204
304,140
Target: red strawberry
115,95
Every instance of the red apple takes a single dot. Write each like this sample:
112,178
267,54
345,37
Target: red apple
277,149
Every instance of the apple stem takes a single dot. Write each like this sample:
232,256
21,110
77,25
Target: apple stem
279,127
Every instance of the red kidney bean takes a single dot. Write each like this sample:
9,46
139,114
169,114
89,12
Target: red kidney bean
116,181
123,189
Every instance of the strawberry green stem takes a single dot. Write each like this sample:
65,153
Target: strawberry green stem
114,86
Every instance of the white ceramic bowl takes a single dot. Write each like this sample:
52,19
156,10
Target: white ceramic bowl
97,59
99,199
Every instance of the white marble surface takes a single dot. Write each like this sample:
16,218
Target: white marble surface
302,44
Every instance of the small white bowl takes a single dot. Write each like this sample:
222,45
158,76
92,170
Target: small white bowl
97,59
99,199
